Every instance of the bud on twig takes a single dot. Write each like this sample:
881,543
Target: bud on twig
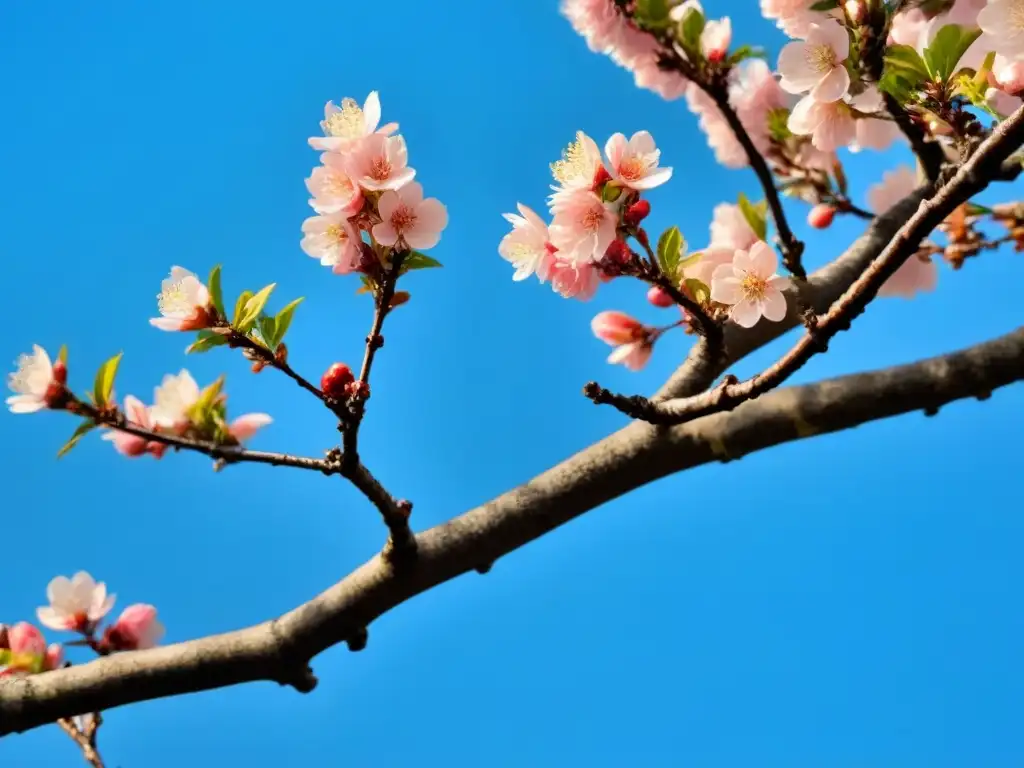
637,212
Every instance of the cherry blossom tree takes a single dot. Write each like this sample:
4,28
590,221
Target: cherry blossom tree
944,76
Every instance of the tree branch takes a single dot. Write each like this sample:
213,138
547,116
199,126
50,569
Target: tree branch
970,179
280,650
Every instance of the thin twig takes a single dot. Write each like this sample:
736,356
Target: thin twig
706,326
86,740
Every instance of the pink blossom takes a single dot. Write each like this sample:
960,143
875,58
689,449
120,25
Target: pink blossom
893,188
711,258
130,445
872,133
667,83
794,17
31,382
76,604
573,281
916,274
583,227
184,303
629,336
715,39
728,151
730,229
244,427
1008,75
136,629
635,162
172,401
754,93
816,65
380,162
346,125
334,240
332,190
597,21
28,652
578,169
527,247
1002,21
751,286
1002,102
406,217
830,125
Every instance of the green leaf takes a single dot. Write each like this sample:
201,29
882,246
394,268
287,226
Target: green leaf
267,324
240,307
253,307
671,245
84,428
652,13
756,216
906,60
897,86
213,286
745,52
417,260
103,387
283,321
610,193
778,124
202,411
205,342
63,354
690,29
825,5
946,50
698,290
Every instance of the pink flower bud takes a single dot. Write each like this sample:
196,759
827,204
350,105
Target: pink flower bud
821,216
25,638
137,628
617,328
618,252
53,657
335,379
637,212
60,373
601,176
659,297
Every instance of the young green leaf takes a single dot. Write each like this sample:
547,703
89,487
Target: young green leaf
201,412
417,260
756,216
283,321
825,5
253,307
698,290
103,387
63,354
652,13
670,250
205,342
268,332
690,29
83,429
243,298
213,286
946,50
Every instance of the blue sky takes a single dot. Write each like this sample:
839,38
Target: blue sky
849,600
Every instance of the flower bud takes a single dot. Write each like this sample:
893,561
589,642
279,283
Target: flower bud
601,176
258,366
335,381
821,216
659,297
637,212
618,252
281,354
358,390
60,372
400,298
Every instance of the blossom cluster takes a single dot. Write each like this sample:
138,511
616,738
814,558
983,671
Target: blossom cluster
79,605
364,184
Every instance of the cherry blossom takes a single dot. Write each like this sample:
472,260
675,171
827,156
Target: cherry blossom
407,218
751,286
629,336
344,126
794,17
916,273
583,227
710,259
244,427
715,39
184,303
136,629
76,604
871,132
1008,75
528,246
816,65
830,125
131,445
634,163
730,228
754,94
596,21
380,162
172,401
332,189
34,381
334,240
29,652
573,280
579,167
1002,21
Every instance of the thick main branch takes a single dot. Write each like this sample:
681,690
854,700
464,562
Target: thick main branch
280,650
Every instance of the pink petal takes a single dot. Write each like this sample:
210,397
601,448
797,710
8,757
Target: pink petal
774,305
244,427
833,87
726,289
763,260
745,313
